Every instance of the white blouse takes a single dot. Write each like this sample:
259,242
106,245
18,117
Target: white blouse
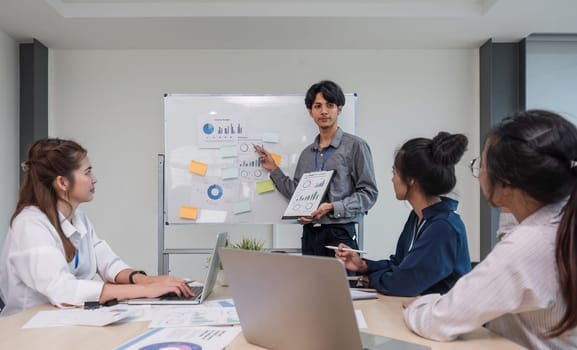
33,266
516,288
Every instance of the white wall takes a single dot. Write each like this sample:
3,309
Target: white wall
9,134
551,81
111,101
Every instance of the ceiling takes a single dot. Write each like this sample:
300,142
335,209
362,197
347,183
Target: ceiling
281,24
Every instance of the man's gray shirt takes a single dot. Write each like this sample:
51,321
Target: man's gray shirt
352,190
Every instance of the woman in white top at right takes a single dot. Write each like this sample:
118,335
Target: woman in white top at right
526,288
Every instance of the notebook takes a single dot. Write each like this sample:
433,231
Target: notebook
201,293
288,302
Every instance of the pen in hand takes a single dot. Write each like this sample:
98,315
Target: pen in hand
345,249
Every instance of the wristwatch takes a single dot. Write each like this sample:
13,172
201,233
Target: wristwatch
131,276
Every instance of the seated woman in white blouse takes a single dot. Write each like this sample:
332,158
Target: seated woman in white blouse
52,253
526,288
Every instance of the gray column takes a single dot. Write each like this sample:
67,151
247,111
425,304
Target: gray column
502,80
33,94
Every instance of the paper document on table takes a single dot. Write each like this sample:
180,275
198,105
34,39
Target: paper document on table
361,323
79,317
205,338
358,294
219,303
308,194
194,316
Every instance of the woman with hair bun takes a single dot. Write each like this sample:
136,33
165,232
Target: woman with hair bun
52,253
432,252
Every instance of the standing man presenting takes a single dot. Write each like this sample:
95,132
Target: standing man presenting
352,190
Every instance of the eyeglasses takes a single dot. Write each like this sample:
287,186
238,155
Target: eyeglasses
474,165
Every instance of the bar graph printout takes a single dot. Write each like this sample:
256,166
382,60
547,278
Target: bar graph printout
308,194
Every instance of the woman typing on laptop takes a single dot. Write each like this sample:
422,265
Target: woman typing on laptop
432,252
52,253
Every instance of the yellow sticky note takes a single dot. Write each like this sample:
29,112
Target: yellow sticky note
277,158
264,186
188,213
197,168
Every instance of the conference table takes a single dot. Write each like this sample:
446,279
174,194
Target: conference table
383,317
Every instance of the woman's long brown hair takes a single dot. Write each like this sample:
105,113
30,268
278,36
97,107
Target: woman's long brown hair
566,257
48,159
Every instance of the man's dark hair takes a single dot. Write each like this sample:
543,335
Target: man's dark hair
330,91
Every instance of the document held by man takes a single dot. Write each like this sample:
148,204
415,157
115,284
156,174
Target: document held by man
308,194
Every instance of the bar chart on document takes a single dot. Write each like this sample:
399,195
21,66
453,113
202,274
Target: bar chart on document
219,131
308,194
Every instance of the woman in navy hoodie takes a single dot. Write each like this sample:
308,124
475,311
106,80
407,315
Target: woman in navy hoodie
432,250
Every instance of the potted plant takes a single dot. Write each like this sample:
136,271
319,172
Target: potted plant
248,244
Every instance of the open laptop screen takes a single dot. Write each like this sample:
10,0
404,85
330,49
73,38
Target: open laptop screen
209,281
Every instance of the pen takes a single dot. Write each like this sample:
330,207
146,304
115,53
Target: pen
345,249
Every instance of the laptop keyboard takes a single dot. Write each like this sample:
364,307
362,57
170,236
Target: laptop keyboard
197,290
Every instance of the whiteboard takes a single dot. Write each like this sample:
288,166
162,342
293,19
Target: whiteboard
216,133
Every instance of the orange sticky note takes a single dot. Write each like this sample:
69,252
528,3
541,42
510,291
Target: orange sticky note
188,213
277,158
197,168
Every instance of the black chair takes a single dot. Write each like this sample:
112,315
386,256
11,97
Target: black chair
474,263
1,304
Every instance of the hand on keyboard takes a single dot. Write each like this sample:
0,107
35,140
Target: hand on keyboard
173,296
169,295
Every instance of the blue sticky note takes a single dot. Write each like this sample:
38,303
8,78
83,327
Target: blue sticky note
228,151
241,207
229,173
271,137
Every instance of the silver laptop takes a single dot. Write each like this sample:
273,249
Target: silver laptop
288,302
201,292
